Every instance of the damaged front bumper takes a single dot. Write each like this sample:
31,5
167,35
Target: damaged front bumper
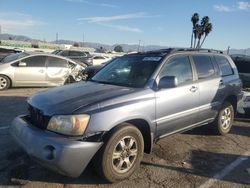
67,156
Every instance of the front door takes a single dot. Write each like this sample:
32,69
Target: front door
176,108
31,71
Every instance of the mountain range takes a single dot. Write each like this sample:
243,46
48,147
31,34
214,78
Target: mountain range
126,47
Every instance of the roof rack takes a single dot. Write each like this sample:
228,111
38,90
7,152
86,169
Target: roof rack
196,49
165,51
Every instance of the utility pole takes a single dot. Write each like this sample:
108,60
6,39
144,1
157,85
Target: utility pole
0,29
56,38
139,46
83,39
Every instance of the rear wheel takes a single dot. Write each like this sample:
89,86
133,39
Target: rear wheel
224,120
4,82
121,154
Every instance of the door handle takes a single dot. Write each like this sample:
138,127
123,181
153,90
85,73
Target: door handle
41,71
193,89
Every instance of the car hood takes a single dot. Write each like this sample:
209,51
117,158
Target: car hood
67,99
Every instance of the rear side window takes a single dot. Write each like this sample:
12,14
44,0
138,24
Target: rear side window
203,66
35,61
224,65
56,62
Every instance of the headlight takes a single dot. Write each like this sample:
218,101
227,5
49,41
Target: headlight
74,125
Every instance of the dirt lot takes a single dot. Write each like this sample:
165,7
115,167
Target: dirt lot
193,159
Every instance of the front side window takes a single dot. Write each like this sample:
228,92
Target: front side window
56,62
35,61
204,66
224,65
179,67
130,71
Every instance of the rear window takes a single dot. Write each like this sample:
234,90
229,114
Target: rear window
224,65
203,66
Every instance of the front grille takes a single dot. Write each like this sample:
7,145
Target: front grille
37,118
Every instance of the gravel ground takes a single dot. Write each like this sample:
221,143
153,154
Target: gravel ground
196,158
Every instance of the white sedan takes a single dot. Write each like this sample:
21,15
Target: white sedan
97,60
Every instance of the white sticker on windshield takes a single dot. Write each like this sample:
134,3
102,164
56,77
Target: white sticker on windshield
151,59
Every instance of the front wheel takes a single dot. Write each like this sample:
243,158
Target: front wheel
121,155
4,82
224,120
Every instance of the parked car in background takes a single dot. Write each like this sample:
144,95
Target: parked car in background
128,105
242,63
38,69
81,57
90,71
99,59
4,52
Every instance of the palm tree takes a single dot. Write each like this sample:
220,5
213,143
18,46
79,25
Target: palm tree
207,30
204,28
194,20
199,33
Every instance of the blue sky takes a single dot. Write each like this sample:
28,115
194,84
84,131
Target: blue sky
158,22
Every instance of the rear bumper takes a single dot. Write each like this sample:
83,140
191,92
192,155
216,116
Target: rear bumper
64,155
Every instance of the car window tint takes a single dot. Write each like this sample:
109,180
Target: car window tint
63,53
99,57
75,53
179,67
224,65
35,61
203,66
243,65
56,62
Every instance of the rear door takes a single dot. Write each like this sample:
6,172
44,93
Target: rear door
210,87
176,108
57,70
30,71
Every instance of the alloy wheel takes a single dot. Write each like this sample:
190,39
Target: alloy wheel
125,154
3,82
226,118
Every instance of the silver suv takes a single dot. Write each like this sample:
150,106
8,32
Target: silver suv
129,104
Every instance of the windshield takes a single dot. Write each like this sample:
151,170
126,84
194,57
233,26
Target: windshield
13,57
129,71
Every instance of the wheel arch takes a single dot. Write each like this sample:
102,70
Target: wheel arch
144,128
233,100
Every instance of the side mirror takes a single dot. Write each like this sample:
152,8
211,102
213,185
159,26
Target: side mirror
167,82
22,64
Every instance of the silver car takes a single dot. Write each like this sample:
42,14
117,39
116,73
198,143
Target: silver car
38,69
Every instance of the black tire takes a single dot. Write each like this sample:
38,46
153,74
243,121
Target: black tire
4,82
224,121
112,154
69,80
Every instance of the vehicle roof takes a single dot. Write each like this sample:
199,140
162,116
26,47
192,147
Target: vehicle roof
47,54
